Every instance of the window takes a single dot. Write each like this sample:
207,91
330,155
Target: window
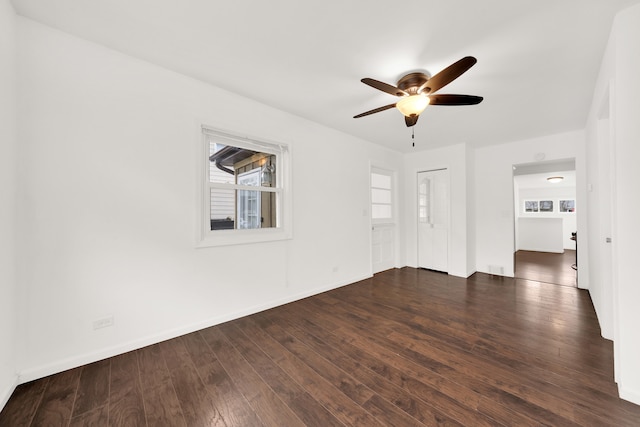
244,190
381,196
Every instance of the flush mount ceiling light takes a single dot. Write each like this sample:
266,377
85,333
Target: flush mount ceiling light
555,179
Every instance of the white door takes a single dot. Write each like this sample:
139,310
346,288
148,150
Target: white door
382,221
433,220
382,247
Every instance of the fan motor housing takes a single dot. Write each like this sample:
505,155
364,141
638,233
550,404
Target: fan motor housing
412,81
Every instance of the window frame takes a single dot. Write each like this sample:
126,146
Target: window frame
283,229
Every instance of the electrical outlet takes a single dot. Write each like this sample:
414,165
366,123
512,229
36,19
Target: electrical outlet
103,322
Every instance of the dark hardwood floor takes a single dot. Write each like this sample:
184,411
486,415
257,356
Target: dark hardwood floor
547,267
408,347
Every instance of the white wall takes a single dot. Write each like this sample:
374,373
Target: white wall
8,144
539,234
598,150
471,211
494,195
613,132
453,158
108,156
625,114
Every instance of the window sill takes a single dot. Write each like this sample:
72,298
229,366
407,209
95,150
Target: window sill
242,237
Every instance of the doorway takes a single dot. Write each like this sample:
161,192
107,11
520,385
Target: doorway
545,223
433,220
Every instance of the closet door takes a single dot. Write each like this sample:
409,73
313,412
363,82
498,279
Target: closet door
433,220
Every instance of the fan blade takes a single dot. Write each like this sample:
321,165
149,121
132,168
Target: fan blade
448,75
377,110
454,99
411,120
392,90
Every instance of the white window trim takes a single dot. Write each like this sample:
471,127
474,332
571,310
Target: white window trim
283,230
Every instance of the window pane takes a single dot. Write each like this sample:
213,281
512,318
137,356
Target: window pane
380,181
268,209
380,196
248,209
222,209
254,209
380,211
422,214
227,163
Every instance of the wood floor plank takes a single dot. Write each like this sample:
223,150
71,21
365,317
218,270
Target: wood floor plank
386,363
234,408
57,402
93,387
538,393
197,406
405,347
516,362
340,405
426,371
547,267
126,406
446,355
310,411
369,379
153,368
23,404
335,375
161,404
418,399
96,417
264,401
162,407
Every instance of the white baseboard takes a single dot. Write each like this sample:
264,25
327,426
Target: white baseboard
8,391
54,367
462,274
632,396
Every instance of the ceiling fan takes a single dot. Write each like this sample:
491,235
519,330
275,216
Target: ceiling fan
416,91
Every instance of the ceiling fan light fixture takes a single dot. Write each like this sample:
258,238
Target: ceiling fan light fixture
413,105
555,179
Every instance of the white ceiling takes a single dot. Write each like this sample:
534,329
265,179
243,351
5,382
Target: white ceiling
539,180
537,59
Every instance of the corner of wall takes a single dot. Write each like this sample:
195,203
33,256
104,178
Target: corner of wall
629,395
6,393
8,216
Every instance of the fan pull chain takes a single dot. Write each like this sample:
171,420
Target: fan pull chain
413,136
